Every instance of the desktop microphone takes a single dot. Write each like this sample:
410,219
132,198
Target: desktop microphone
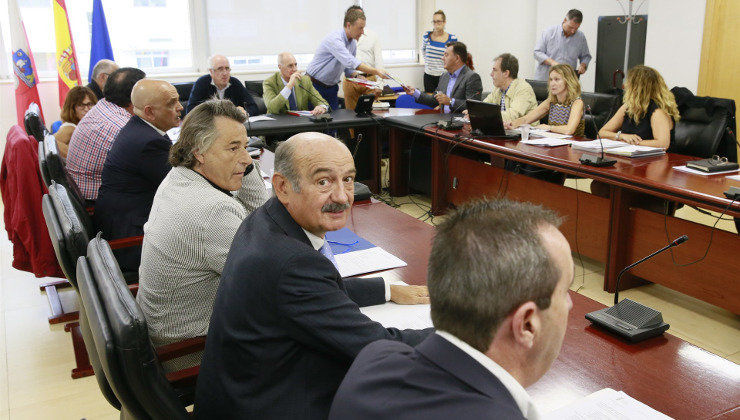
451,124
629,319
325,117
591,160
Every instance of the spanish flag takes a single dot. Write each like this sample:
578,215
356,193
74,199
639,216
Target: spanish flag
67,65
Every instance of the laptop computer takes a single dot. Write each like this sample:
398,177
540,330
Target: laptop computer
486,121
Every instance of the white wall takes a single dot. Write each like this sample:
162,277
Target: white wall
674,37
490,28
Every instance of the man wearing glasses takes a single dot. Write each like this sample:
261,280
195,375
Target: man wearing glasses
219,84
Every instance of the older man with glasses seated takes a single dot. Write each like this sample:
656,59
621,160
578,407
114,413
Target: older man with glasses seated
212,187
219,84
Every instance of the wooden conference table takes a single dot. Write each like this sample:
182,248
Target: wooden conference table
666,373
611,229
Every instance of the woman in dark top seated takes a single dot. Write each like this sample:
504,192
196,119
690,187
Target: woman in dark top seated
649,113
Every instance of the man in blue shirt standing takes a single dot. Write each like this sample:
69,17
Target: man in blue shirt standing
562,44
336,54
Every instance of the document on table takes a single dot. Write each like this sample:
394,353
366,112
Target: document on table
366,261
684,168
544,133
260,118
595,145
548,142
393,315
606,404
299,113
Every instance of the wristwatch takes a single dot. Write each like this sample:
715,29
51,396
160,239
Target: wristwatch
619,133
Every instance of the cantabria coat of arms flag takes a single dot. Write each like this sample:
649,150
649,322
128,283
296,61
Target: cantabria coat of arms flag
23,69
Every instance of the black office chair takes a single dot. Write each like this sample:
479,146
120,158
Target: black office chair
703,133
540,88
183,91
129,361
43,166
254,87
33,124
603,106
58,173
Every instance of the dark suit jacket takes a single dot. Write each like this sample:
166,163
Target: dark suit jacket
467,86
285,326
204,90
434,381
96,89
135,166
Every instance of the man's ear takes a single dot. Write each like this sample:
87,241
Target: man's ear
199,156
281,186
526,324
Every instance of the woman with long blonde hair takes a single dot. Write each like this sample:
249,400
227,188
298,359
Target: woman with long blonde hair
649,113
563,107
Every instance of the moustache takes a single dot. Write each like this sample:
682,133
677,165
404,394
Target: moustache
334,207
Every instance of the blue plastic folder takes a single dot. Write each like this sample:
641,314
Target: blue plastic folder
344,240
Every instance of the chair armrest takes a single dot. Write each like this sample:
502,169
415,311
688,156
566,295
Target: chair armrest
181,348
134,288
126,242
183,378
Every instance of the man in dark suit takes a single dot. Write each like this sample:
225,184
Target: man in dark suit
456,86
219,84
285,325
135,166
101,71
499,278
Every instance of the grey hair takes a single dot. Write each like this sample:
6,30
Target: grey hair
487,259
285,163
199,130
104,66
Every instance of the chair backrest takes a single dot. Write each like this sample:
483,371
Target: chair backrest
540,89
96,333
43,167
69,228
603,106
58,171
33,124
254,87
183,91
151,395
700,133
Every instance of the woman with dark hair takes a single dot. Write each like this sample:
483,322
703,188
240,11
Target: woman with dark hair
433,44
80,99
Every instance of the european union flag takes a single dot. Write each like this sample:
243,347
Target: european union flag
100,47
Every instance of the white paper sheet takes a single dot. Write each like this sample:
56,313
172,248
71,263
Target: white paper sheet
260,118
544,133
606,404
366,261
734,177
595,146
400,316
548,142
684,168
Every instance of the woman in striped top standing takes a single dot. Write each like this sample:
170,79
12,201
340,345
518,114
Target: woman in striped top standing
433,48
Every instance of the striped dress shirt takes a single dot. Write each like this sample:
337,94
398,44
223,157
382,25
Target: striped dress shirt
90,143
433,52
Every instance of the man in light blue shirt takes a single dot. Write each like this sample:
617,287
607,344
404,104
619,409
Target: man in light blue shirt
458,84
562,44
336,55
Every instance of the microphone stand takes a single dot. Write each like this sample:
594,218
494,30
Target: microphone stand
592,160
451,124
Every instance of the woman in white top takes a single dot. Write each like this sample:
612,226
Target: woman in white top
80,99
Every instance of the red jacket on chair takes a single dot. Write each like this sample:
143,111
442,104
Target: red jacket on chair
22,188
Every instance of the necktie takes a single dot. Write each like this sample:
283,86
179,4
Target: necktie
327,252
291,100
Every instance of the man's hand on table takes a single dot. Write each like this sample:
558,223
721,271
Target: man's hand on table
409,295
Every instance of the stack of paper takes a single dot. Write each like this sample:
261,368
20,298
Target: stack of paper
356,255
367,83
547,142
606,404
535,132
636,151
300,113
595,145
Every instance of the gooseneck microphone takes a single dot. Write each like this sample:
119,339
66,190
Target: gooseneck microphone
591,160
629,319
325,117
676,242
